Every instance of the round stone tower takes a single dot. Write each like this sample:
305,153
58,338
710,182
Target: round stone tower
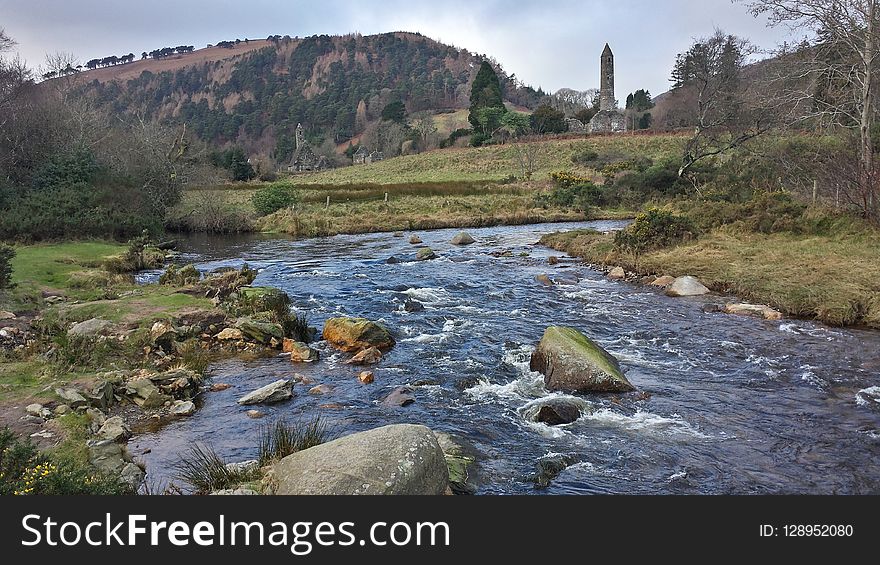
607,101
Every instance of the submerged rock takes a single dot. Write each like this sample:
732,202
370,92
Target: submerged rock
544,280
321,389
399,397
367,377
392,460
549,467
572,362
425,254
558,412
413,306
369,356
278,391
686,286
757,310
462,238
355,334
415,240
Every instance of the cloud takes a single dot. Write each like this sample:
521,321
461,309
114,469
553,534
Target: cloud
552,45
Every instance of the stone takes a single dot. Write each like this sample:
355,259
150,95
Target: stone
558,412
145,394
91,328
254,414
462,238
415,240
425,254
303,380
544,280
413,306
686,286
132,475
458,459
369,356
261,332
299,351
183,408
71,397
235,492
393,460
398,234
39,411
229,334
164,334
756,310
278,391
572,362
553,260
617,273
549,467
399,397
354,334
4,315
367,377
321,389
96,417
114,429
663,281
101,396
113,458
219,387
609,119
249,466
61,410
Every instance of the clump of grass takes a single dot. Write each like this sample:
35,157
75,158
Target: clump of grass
180,276
205,472
297,327
194,357
281,439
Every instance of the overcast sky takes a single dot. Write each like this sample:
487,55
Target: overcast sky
551,44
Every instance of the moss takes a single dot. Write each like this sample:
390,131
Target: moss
573,340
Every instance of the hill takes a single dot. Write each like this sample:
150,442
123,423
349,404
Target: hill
254,94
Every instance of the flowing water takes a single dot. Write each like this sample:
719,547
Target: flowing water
737,405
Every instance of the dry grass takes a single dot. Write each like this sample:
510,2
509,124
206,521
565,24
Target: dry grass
832,278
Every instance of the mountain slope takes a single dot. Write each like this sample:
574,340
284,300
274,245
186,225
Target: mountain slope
255,94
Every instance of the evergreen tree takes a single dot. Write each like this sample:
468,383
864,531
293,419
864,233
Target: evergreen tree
485,93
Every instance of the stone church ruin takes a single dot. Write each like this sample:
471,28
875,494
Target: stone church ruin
609,119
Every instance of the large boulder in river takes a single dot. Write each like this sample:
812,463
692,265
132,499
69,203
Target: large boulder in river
686,286
558,412
300,352
425,254
462,238
278,391
355,334
757,310
392,460
572,362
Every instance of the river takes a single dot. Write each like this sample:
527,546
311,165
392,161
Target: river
737,405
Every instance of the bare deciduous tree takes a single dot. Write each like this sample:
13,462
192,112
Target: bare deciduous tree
836,73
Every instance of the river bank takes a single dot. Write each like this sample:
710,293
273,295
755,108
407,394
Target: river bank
831,278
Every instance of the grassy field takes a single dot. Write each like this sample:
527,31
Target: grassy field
459,187
832,278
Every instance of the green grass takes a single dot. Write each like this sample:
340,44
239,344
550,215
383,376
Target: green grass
834,277
50,265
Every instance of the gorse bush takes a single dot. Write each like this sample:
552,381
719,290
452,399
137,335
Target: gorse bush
6,255
654,229
272,198
176,275
25,471
572,191
72,195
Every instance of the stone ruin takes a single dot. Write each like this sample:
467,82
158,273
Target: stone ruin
609,119
364,157
304,159
577,126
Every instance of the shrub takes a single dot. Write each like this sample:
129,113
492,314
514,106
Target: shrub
204,471
572,191
654,229
6,255
585,157
281,439
272,198
140,255
180,276
194,357
25,471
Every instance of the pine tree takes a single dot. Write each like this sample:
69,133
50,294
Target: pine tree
485,93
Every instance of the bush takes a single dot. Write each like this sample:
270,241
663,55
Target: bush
281,439
180,276
25,471
6,255
455,136
572,191
655,229
272,198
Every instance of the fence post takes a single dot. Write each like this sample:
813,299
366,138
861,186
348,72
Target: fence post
386,198
328,202
815,191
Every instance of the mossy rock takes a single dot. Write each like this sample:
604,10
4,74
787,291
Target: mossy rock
572,362
356,334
